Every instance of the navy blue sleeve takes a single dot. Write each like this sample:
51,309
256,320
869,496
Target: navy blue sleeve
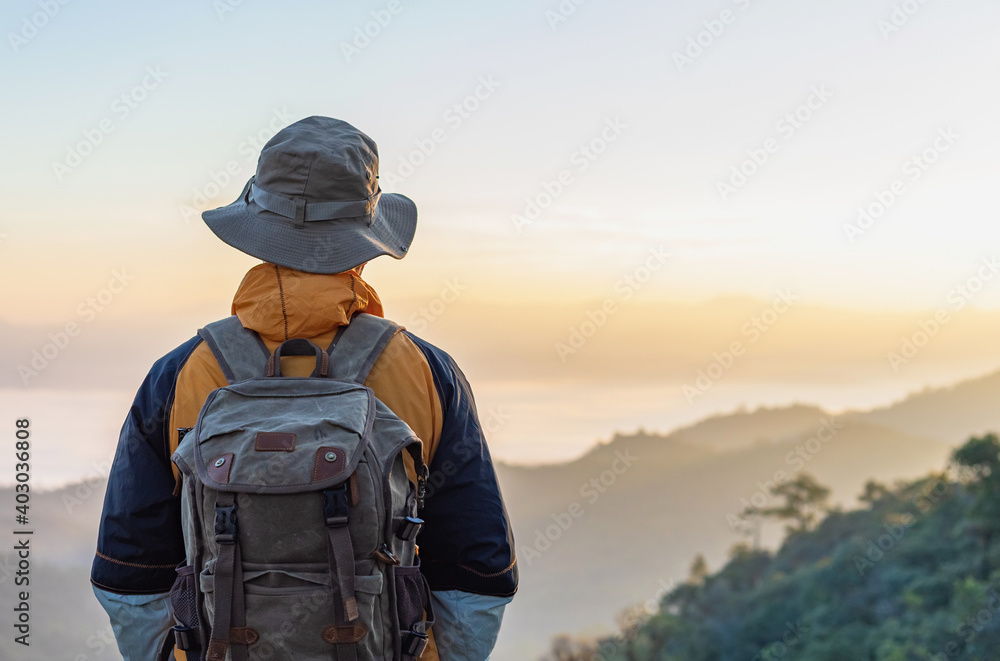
466,542
140,539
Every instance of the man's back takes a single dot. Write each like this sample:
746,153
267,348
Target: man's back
466,544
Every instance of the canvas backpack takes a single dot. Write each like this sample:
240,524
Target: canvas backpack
299,517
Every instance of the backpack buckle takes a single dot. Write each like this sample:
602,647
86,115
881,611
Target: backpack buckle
185,637
225,524
423,473
414,643
409,528
336,506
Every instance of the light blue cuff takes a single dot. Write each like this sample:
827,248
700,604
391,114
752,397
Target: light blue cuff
466,625
140,622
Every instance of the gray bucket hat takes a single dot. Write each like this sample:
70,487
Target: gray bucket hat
315,204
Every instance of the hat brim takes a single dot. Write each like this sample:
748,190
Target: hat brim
326,246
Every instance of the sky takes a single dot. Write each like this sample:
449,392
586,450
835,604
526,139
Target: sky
553,150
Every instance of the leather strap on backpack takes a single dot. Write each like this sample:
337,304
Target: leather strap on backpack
229,605
345,632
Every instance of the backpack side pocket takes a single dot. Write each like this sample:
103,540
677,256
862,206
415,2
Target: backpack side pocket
184,606
413,608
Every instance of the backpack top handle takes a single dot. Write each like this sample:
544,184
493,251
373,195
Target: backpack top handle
298,347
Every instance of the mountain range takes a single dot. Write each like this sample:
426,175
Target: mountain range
616,527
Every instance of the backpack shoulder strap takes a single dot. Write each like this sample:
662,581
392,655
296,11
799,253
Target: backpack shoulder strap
356,349
240,351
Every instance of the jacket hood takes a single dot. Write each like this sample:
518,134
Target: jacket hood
281,303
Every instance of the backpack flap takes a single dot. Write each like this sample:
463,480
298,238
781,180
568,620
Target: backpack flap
286,435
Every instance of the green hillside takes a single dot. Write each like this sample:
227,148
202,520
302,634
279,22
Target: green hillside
914,575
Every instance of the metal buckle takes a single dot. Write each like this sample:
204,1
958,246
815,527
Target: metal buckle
184,637
336,506
409,528
225,524
414,644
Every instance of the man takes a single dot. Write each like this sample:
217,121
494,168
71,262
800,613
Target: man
315,215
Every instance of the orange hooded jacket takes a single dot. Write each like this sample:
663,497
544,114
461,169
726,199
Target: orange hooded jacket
466,543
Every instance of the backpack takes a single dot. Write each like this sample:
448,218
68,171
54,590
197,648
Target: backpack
299,517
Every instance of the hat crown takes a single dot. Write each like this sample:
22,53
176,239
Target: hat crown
314,203
319,159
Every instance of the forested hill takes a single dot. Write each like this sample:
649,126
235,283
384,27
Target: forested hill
914,575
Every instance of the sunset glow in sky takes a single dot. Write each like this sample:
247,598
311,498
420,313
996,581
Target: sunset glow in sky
843,151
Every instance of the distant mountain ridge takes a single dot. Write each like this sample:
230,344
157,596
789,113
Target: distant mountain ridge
646,503
683,484
949,414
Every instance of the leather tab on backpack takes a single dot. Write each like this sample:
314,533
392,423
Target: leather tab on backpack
353,489
351,633
218,468
217,650
271,441
329,462
243,636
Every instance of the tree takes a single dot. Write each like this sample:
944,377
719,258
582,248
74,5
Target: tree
874,492
805,500
566,648
747,524
698,571
982,455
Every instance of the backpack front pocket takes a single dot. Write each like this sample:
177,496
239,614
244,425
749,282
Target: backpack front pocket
291,608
